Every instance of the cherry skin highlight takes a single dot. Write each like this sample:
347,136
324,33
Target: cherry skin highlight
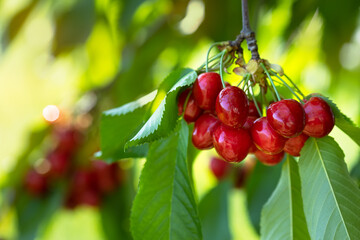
206,88
265,138
203,131
192,111
294,145
286,117
319,118
219,168
268,159
232,106
232,144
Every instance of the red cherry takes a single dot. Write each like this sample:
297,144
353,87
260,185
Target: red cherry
232,106
286,117
106,176
69,140
83,179
242,172
319,118
249,122
219,167
35,182
231,143
206,88
294,145
253,110
265,138
192,111
89,197
59,163
268,159
203,131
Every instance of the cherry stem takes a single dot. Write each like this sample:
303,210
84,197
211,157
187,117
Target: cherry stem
221,67
295,85
208,53
271,81
291,90
245,79
254,99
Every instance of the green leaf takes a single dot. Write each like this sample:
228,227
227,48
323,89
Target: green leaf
33,213
164,119
341,120
283,215
119,125
115,212
213,211
259,187
74,26
355,172
165,206
331,198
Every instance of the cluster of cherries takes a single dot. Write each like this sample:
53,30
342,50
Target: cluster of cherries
86,184
226,119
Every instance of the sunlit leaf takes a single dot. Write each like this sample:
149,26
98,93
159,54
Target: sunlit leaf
165,117
213,210
331,198
283,215
119,124
165,206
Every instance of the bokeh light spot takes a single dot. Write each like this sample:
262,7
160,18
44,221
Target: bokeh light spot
51,113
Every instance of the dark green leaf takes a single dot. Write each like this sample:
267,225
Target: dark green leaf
331,198
33,213
283,215
74,26
115,211
119,125
213,211
259,186
165,206
341,120
164,119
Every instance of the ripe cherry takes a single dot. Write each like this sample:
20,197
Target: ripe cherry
286,117
242,172
219,167
206,88
294,145
253,110
59,163
203,131
232,106
192,111
69,140
106,176
319,118
231,143
249,122
35,182
265,138
268,159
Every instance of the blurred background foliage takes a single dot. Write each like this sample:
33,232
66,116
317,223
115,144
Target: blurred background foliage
76,53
